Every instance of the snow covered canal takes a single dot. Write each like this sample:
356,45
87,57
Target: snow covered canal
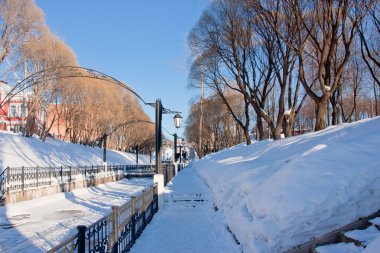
188,222
38,225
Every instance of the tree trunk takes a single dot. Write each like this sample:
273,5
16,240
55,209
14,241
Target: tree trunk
260,128
375,95
335,111
288,125
320,114
277,133
247,137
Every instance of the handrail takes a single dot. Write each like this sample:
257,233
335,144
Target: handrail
71,241
115,232
21,178
3,180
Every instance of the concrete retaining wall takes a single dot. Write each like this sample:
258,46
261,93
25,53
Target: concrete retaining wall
33,193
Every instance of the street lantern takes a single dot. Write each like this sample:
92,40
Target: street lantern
177,120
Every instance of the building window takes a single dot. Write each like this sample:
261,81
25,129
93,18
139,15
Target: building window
12,111
23,110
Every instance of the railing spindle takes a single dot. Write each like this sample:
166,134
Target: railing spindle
37,176
22,178
81,238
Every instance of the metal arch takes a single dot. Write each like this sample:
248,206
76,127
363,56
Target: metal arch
129,123
56,73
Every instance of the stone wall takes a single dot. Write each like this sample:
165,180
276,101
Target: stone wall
33,193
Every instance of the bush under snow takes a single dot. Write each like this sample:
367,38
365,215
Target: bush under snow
278,194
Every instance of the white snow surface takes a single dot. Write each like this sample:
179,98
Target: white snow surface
37,225
365,236
375,221
188,222
340,248
275,195
373,247
16,151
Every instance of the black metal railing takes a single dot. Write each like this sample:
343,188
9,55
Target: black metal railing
141,168
22,178
116,232
2,185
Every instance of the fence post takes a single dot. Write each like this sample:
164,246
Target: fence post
144,207
70,174
8,178
50,174
155,197
61,175
85,173
115,230
81,238
37,175
22,178
143,199
133,229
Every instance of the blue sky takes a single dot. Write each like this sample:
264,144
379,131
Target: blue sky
142,43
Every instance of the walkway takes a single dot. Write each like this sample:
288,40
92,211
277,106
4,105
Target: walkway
188,222
38,225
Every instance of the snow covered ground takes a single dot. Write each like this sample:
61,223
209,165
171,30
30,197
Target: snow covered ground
273,195
188,222
277,194
38,225
16,151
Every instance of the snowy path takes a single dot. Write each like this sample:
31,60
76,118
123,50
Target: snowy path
188,222
38,225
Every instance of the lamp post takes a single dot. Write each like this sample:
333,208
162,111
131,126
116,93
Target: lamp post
175,147
180,153
105,149
158,108
177,122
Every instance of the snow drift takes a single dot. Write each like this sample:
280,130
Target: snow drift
16,151
278,194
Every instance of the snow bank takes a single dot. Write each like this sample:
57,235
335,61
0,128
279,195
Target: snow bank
278,194
16,151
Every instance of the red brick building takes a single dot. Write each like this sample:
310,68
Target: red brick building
14,112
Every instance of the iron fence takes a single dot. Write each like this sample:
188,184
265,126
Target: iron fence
117,232
2,185
22,178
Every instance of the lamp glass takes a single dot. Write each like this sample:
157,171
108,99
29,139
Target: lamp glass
177,120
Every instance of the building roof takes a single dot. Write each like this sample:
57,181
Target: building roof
5,89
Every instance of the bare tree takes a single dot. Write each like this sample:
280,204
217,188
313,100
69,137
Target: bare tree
206,70
46,52
369,32
20,20
244,62
322,28
219,130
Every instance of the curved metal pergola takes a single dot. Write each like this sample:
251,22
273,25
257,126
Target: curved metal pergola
63,72
129,123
